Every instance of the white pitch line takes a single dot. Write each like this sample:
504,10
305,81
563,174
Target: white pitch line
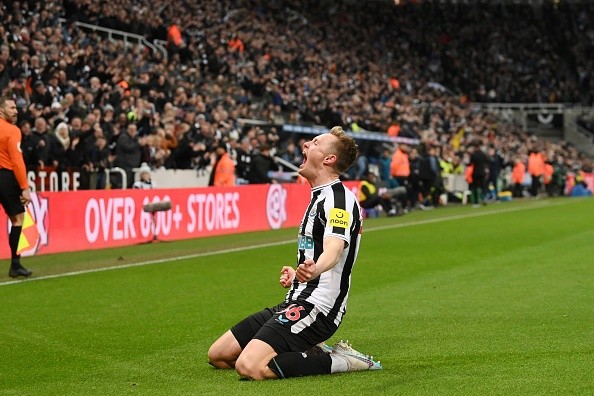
265,245
143,263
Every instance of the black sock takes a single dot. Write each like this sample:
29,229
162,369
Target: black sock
299,364
13,242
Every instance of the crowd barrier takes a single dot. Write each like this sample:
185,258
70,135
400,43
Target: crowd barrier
457,184
50,180
95,219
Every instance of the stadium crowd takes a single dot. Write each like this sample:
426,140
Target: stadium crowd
90,103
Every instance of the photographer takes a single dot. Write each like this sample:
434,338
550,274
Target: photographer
369,197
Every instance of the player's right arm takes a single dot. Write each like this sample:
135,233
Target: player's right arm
309,269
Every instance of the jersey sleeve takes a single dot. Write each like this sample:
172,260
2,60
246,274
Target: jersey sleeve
339,215
16,158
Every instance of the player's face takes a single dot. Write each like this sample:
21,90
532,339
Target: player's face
314,153
9,112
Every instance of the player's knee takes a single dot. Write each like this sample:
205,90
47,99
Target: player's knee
17,220
216,358
244,367
248,368
213,356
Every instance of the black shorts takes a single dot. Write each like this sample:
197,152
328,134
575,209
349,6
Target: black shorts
287,327
10,193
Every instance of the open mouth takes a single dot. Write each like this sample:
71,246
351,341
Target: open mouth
304,158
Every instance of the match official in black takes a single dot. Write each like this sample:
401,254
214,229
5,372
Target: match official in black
14,188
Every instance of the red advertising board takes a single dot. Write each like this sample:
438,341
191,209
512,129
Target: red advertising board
95,219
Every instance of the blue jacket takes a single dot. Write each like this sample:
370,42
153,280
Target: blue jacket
579,190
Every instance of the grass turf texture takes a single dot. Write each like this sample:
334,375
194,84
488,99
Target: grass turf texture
495,300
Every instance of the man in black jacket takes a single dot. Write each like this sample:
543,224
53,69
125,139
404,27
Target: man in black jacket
480,163
260,166
127,152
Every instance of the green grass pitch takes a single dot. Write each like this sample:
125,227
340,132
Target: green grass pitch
497,300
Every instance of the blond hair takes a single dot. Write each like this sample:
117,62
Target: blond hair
346,149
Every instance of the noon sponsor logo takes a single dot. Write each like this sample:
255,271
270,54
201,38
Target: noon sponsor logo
339,218
339,223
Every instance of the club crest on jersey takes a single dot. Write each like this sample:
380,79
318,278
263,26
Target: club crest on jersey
339,218
312,213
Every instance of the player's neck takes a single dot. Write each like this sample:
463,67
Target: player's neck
322,179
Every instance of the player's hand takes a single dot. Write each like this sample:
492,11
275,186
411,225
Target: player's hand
306,271
287,276
26,197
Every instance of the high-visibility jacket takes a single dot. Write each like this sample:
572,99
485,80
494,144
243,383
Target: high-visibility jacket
366,190
174,35
518,172
224,172
394,130
468,173
548,173
399,166
447,168
536,164
11,157
236,44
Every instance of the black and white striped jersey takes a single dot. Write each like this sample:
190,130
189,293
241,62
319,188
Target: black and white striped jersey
332,211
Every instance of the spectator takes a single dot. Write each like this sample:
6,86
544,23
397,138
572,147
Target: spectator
243,160
536,168
59,146
127,155
223,169
400,165
107,120
292,154
370,199
29,147
431,184
144,182
559,177
240,72
360,168
580,189
41,95
261,165
43,141
517,178
4,77
413,182
189,150
496,163
384,166
479,162
99,159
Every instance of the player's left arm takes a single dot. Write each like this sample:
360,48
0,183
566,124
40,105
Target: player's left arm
287,276
16,158
309,269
